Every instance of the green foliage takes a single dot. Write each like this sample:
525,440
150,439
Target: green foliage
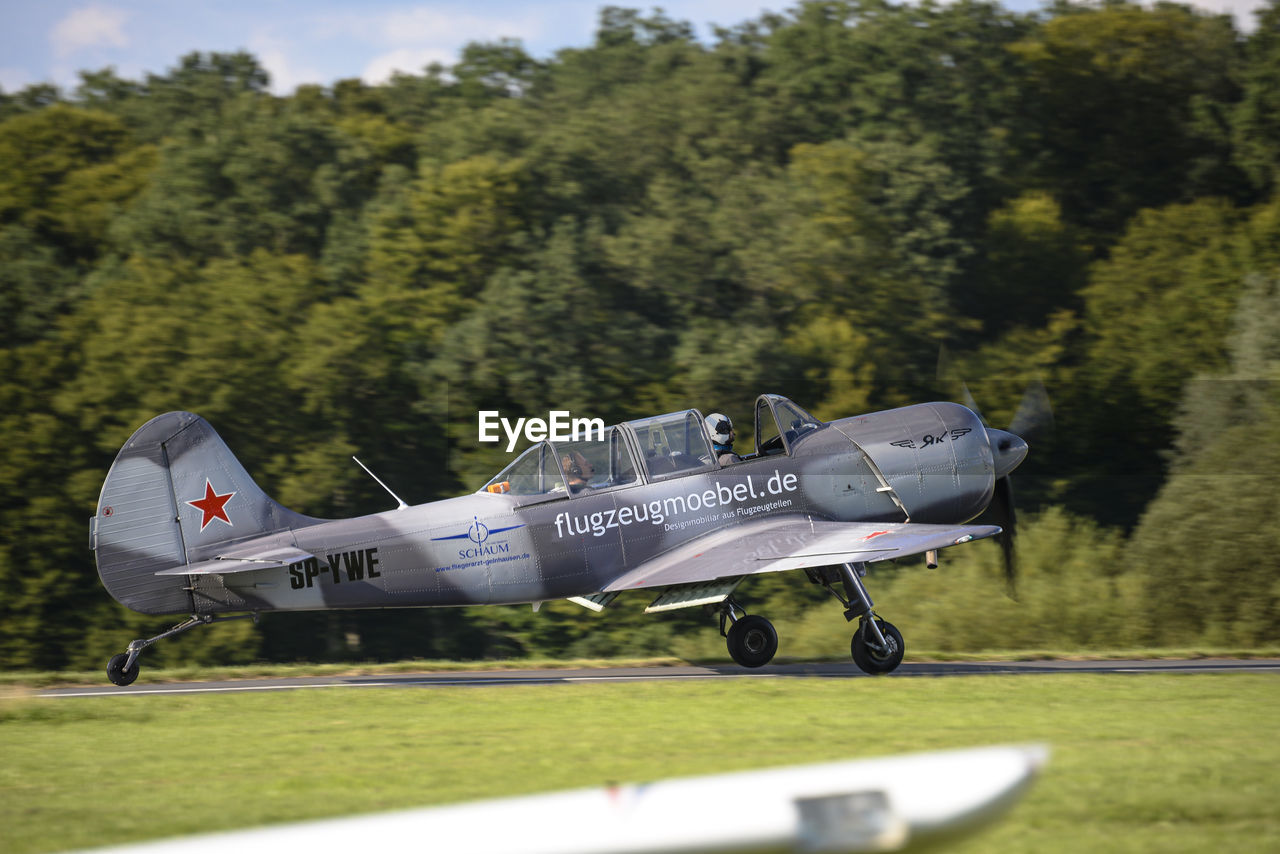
35,286
39,150
1072,589
1033,265
1156,312
1121,102
1159,308
1257,119
813,204
1206,545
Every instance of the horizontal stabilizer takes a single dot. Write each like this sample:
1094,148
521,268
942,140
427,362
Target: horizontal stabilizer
225,564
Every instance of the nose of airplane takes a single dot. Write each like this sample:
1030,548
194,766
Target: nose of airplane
1007,449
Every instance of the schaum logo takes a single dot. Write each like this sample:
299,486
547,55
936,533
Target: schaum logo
479,533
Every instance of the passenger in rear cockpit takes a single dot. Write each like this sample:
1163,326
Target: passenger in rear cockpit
578,471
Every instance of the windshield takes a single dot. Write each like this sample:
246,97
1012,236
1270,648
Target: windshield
792,417
673,443
554,468
595,464
779,419
535,472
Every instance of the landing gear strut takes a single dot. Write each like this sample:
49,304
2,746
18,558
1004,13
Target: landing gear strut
752,639
123,668
877,645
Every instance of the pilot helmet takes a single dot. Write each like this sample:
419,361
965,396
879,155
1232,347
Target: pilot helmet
720,428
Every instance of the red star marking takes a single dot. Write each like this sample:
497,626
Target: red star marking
213,505
874,534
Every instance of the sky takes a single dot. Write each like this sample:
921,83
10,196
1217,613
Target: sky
322,41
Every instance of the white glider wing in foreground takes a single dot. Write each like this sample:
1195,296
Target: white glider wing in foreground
890,804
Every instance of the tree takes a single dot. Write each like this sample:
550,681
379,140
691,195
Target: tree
39,150
1257,116
1119,100
248,175
35,286
1032,265
861,231
29,99
1205,546
1160,308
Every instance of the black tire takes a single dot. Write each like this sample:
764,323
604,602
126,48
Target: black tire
753,641
869,657
116,672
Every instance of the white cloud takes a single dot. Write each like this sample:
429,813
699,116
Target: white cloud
277,57
13,79
410,39
408,60
433,27
430,28
1242,10
89,26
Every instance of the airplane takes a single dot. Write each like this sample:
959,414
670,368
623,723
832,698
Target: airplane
181,528
915,802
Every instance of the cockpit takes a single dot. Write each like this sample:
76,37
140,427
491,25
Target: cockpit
644,450
569,467
780,423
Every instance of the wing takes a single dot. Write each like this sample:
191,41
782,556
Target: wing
777,544
242,561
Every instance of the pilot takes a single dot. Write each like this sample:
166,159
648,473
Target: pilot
578,470
722,436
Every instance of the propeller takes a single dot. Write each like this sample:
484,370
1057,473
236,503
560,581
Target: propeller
1007,518
1033,417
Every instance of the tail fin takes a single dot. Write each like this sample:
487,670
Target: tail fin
175,495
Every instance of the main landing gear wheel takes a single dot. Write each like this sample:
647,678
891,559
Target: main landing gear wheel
868,653
116,672
752,641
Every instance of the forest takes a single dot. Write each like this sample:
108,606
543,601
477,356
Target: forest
854,203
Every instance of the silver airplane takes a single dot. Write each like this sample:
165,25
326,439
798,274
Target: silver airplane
181,528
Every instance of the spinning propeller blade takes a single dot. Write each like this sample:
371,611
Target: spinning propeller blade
1007,518
1034,417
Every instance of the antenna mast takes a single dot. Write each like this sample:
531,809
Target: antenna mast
398,499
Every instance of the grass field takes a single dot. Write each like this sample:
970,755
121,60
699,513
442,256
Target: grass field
1141,762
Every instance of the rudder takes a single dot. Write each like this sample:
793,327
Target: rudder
175,495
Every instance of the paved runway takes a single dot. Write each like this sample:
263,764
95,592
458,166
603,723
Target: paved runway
831,670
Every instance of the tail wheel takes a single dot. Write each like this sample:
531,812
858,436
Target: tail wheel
116,672
873,658
753,641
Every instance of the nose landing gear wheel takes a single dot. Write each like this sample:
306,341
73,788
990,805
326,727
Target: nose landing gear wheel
870,656
116,672
752,641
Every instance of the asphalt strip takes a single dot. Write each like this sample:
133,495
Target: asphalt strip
549,677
